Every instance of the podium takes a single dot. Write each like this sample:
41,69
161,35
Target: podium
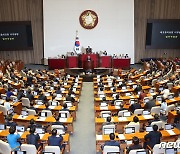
88,65
93,57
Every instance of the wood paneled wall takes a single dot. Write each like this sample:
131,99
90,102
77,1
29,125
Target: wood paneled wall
25,10
153,9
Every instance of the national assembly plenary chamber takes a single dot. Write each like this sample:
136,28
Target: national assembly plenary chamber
89,76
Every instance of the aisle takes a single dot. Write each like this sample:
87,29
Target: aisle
83,140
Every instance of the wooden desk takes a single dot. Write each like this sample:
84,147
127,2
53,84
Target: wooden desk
121,121
43,138
171,116
24,120
1,118
101,139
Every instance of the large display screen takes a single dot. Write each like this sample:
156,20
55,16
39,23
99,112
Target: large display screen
163,34
16,35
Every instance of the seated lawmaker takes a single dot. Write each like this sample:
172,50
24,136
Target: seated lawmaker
9,121
55,140
135,106
135,145
112,142
33,138
65,107
108,122
42,96
151,103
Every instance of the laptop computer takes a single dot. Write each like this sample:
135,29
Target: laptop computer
40,130
149,128
161,88
168,127
39,102
19,152
2,127
63,115
123,88
20,128
43,114
105,115
129,130
58,95
129,142
126,114
146,100
48,153
53,103
24,113
170,96
134,86
146,112
108,131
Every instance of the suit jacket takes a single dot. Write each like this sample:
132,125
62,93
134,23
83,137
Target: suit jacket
42,97
55,141
30,96
29,80
135,106
69,98
33,139
20,95
153,138
150,104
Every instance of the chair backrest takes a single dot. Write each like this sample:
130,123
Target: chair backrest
31,112
110,149
120,113
107,129
54,149
157,150
136,126
29,148
4,147
105,114
64,114
118,102
60,129
3,109
155,110
135,151
25,102
170,85
48,113
138,111
158,123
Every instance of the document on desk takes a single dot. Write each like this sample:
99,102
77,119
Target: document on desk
171,132
98,137
36,106
122,119
148,116
103,108
121,136
41,119
117,107
22,117
41,136
51,107
63,119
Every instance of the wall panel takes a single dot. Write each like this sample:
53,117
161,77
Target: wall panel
24,10
153,9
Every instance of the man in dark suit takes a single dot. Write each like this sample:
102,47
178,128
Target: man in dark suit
53,140
29,80
32,107
29,95
153,137
111,142
58,91
33,138
151,103
9,121
69,98
135,145
20,94
42,96
65,108
59,123
134,106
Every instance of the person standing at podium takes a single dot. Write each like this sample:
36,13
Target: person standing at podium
88,50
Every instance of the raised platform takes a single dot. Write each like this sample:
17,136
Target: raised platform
88,77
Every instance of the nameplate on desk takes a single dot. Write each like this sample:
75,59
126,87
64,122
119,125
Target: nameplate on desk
122,119
22,117
63,119
148,116
41,119
121,136
98,137
51,107
103,108
171,132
